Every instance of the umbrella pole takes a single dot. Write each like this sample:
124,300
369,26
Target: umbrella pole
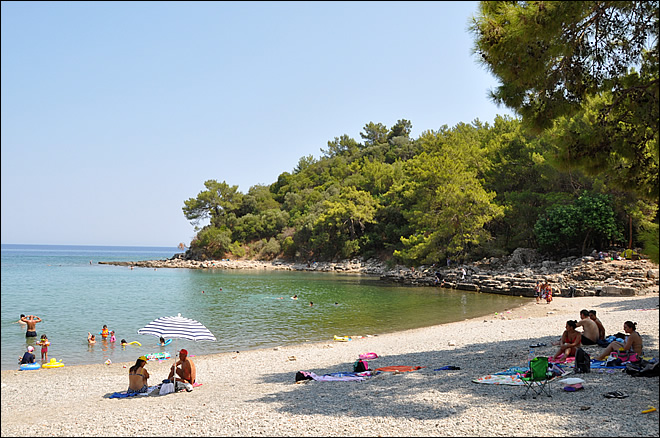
174,374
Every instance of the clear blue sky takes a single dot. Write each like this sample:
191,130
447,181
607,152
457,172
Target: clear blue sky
113,114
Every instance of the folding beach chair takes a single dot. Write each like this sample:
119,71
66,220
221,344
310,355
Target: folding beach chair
538,378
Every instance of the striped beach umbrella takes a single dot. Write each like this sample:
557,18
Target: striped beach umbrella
177,327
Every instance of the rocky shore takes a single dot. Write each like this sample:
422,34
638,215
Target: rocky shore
516,274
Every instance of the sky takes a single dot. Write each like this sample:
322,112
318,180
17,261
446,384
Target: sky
115,113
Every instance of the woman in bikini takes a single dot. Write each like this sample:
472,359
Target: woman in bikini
633,342
137,376
571,339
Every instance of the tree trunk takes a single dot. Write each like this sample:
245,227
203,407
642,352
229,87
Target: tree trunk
629,232
584,242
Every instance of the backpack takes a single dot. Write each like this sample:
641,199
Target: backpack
643,369
360,366
582,361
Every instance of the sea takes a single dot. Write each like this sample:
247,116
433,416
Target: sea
74,295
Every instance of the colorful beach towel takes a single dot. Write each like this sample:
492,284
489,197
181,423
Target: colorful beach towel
340,377
560,359
500,379
398,368
511,376
513,371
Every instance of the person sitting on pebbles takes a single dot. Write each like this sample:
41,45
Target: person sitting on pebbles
589,327
599,324
184,368
571,339
633,342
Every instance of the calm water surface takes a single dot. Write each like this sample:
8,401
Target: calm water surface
243,309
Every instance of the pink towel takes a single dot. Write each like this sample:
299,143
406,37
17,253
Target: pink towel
561,359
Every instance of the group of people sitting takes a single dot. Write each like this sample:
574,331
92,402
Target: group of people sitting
593,333
138,374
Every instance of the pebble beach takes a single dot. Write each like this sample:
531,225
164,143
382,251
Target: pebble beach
253,393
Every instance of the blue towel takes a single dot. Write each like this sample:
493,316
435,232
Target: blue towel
123,394
447,367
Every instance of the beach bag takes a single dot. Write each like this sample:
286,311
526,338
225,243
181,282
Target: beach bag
368,356
302,375
582,361
627,356
360,366
166,388
643,369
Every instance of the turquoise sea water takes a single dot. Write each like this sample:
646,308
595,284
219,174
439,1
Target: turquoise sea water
243,309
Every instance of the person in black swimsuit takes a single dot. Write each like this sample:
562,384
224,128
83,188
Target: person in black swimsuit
31,322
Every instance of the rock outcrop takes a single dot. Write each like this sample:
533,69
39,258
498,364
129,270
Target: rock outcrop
513,275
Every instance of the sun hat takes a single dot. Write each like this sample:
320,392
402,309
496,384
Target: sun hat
144,358
183,351
30,348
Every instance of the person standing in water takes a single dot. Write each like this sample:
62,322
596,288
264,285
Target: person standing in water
44,342
31,322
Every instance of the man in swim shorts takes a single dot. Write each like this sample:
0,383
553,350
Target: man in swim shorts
589,328
186,372
31,322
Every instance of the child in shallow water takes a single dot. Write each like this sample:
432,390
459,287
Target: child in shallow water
44,342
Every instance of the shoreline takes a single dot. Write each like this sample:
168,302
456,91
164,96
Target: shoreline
515,275
253,392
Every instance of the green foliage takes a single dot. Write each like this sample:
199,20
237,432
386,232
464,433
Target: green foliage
571,66
374,133
214,203
589,220
289,247
237,249
444,202
469,191
271,249
212,242
649,237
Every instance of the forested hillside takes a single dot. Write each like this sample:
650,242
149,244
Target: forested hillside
465,192
578,170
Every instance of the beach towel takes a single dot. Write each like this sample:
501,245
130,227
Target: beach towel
560,359
513,371
124,394
368,356
511,376
339,377
500,379
603,364
398,368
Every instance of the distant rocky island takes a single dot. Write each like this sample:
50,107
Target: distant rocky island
516,274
